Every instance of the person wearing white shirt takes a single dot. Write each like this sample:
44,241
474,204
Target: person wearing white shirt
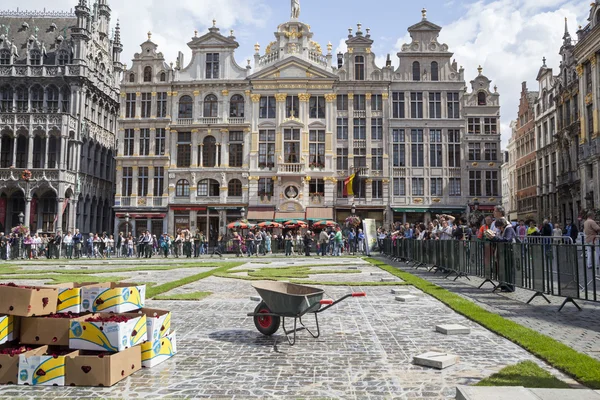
68,240
446,232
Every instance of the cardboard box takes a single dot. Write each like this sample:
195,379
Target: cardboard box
44,330
43,369
9,364
158,322
9,328
89,369
69,296
108,336
153,353
118,298
28,302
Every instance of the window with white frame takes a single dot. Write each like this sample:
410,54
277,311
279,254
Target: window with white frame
342,129
418,186
399,186
376,128
435,105
474,126
435,148
437,188
416,105
453,148
454,187
377,159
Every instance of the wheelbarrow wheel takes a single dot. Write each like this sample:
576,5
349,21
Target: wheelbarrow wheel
268,324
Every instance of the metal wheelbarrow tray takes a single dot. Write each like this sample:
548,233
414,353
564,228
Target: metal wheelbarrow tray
281,300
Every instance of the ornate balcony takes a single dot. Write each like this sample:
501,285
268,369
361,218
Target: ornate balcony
291,168
141,201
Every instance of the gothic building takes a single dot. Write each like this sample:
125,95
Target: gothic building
59,74
204,143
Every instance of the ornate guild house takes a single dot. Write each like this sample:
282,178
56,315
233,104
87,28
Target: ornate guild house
206,142
59,76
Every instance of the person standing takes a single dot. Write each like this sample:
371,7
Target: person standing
338,240
258,240
591,231
57,244
197,244
571,231
77,241
68,240
307,243
506,234
118,245
288,244
323,241
521,231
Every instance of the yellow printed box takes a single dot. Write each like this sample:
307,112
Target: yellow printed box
9,328
46,370
108,332
158,322
69,296
154,353
118,298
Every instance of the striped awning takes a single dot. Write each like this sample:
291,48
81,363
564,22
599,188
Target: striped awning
260,214
319,213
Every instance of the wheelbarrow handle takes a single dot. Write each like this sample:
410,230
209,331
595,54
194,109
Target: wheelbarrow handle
325,302
359,294
331,303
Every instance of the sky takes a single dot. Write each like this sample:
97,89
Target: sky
508,38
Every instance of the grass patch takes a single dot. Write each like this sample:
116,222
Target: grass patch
184,296
294,272
128,268
527,374
581,367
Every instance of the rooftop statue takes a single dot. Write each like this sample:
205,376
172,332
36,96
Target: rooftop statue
295,9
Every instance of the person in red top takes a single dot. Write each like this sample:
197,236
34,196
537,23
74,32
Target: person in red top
484,227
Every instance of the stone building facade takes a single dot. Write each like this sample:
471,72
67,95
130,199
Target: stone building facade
59,75
203,144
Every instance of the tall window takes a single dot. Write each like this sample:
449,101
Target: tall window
377,159
212,66
236,106
474,126
435,74
377,189
186,107
208,188
360,102
360,128
38,161
267,107
127,181
416,105
291,145
144,142
360,157
35,57
416,71
128,141
453,105
182,188
142,181
418,186
266,148
474,151
377,102
211,106
588,78
148,74
6,151
52,98
417,147
6,98
398,105
316,148
454,187
481,99
54,152
359,68
399,186
316,107
435,105
159,181
161,104
292,106
4,57
66,98
265,187
342,129
130,100
22,99
342,159
209,152
491,183
160,139
234,188
342,102
131,78
63,58
316,186
590,120
398,149
37,98
435,148
490,151
437,188
146,105
474,183
453,148
184,142
163,77
490,126
236,149
377,128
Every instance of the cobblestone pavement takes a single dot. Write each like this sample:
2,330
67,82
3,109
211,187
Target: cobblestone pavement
577,329
365,350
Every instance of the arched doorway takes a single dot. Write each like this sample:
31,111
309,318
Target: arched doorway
46,218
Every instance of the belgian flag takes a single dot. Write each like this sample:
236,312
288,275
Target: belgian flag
349,185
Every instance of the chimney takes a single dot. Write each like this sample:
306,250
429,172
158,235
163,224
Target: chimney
340,58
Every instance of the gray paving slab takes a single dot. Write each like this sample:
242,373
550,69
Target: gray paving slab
487,393
565,394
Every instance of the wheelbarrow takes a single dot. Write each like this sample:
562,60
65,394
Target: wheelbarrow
281,300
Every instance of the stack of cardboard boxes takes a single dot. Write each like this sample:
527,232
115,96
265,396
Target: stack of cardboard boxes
93,334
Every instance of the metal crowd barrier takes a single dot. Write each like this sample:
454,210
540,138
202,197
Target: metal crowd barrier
544,265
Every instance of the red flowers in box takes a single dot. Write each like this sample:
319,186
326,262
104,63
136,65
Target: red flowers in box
112,318
14,351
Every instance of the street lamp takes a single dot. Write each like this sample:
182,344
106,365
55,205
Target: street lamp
21,217
243,213
127,225
353,210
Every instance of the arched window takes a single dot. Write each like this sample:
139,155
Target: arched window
163,77
186,107
6,98
416,70
209,152
550,100
62,58
22,151
37,98
52,98
208,188
38,151
6,151
234,188
131,77
54,152
211,106
182,188
236,106
5,57
435,74
35,57
481,99
22,99
66,99
359,68
148,74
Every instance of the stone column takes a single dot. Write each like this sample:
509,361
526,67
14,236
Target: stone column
201,153
351,132
71,225
136,142
151,184
218,156
252,153
27,210
30,151
134,186
225,148
173,148
59,211
63,154
152,141
225,105
194,153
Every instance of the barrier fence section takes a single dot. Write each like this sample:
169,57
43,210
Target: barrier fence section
544,265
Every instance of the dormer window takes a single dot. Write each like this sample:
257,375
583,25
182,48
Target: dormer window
163,77
212,66
148,74
481,99
416,71
35,57
435,75
359,68
4,57
62,58
131,78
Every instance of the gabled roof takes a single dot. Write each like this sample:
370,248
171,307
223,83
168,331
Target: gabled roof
293,62
424,25
213,39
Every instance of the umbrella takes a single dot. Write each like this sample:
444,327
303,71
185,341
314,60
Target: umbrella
295,223
325,224
239,225
270,224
